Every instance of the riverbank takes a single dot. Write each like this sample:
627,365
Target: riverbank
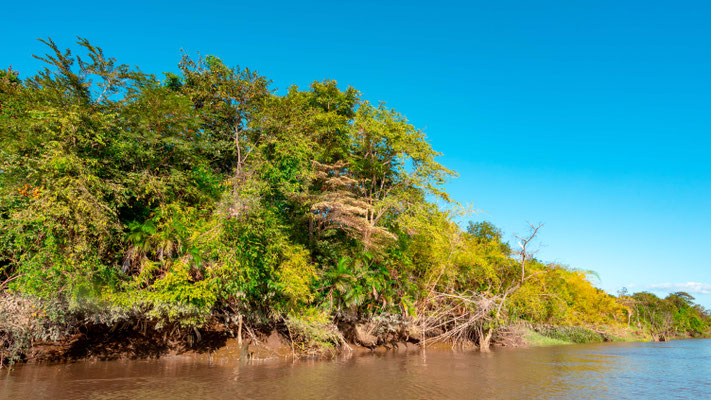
35,331
217,341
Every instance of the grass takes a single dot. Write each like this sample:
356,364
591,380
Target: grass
551,335
628,336
534,338
571,334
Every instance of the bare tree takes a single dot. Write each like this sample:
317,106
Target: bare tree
524,242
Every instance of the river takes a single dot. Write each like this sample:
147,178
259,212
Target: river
677,369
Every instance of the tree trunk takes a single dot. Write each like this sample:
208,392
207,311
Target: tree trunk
239,331
485,341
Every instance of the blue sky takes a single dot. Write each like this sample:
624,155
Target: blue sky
593,117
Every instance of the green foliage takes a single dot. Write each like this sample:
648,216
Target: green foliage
675,315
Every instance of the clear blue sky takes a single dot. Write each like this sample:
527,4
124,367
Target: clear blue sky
590,116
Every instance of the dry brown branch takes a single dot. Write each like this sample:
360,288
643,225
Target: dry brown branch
524,243
458,317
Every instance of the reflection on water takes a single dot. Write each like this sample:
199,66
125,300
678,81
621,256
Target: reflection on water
678,369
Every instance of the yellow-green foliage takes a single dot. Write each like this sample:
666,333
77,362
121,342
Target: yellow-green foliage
296,276
312,329
560,295
175,297
448,258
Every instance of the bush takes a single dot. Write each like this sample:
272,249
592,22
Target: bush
312,331
25,320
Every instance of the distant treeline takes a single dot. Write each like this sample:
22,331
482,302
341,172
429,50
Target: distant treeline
203,197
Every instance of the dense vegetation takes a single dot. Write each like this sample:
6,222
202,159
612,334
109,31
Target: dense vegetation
204,197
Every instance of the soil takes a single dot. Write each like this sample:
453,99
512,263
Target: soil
216,343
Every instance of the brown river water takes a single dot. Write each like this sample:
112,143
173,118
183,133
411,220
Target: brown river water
677,369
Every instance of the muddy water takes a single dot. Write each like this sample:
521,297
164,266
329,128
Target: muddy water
678,369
